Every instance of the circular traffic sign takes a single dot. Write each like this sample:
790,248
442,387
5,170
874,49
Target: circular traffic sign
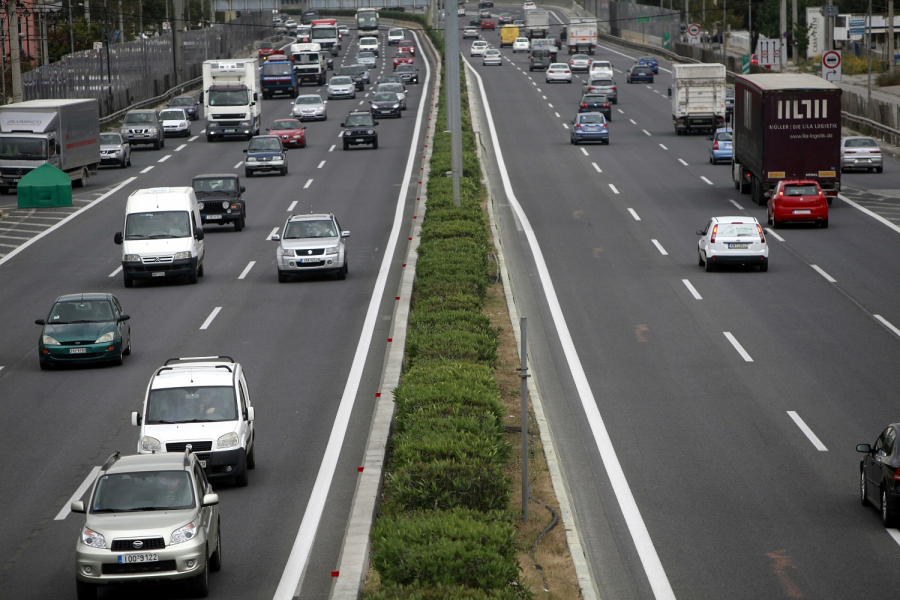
831,59
694,29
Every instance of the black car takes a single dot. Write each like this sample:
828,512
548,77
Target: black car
596,103
407,73
308,16
221,199
877,471
359,128
729,102
189,104
475,21
639,73
504,19
385,104
357,73
486,4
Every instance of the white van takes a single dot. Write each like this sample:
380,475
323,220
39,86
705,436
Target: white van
163,236
369,44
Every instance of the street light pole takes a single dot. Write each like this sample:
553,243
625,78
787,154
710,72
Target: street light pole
71,30
15,63
869,56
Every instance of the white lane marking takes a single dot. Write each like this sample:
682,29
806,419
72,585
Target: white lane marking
613,188
659,247
550,105
210,318
180,148
774,235
706,180
585,152
62,514
292,206
656,91
62,222
617,52
1,368
542,96
682,161
116,272
645,131
887,324
649,87
296,563
737,346
663,147
164,158
331,149
321,164
193,138
807,431
246,269
738,206
238,165
540,92
691,289
894,533
827,277
618,71
274,231
634,214
599,170
653,567
878,218
308,183
566,126
620,111
633,121
557,115
360,102
533,83
148,169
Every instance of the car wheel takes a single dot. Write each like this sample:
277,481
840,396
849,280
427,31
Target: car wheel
699,258
243,479
119,360
210,139
776,224
85,591
886,518
824,224
375,145
156,144
711,161
283,171
123,164
709,265
248,173
304,143
346,145
251,457
342,274
239,223
162,142
215,561
129,282
282,278
200,583
863,489
45,367
201,270
127,351
879,169
764,266
194,276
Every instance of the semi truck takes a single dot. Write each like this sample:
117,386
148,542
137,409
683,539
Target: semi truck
698,97
310,63
537,23
63,133
582,36
786,126
231,98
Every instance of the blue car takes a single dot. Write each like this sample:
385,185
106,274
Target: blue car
649,61
590,127
721,146
266,154
639,73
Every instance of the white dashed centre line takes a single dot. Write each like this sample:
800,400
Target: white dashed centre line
827,277
599,170
542,96
738,206
180,148
807,431
659,247
321,164
210,318
706,180
585,152
147,170
682,161
274,231
566,126
645,131
237,166
164,158
116,272
613,188
332,148
246,269
308,183
557,115
691,289
540,92
737,346
633,122
550,105
634,214
663,147
292,206
193,138
620,111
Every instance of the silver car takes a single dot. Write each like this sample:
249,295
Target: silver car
559,72
394,37
175,122
114,150
580,62
312,243
310,107
397,88
602,85
366,59
861,153
149,517
492,57
341,87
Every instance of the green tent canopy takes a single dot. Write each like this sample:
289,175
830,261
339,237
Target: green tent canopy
45,187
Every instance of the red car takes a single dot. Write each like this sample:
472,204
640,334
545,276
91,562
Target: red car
402,58
487,24
291,132
407,46
797,200
265,49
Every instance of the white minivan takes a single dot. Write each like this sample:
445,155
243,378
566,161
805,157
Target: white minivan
163,237
368,44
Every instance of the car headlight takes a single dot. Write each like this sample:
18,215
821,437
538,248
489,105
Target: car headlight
245,124
287,252
182,255
152,130
150,444
201,205
320,110
331,250
370,131
296,137
183,124
91,538
229,440
251,159
186,533
226,203
49,341
131,258
106,337
396,106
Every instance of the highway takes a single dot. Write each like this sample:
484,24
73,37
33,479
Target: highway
306,346
706,422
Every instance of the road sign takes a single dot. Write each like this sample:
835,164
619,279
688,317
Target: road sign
643,19
693,30
831,65
745,64
829,10
857,26
666,38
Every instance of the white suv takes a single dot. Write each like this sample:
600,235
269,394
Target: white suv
202,402
369,44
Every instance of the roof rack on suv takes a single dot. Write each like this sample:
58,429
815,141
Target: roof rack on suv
199,358
111,460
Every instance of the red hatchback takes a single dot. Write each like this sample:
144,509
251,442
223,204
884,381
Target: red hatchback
407,46
797,200
291,132
487,24
402,58
265,49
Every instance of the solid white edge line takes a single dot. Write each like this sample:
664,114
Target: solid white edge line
653,567
659,247
62,222
807,431
737,346
634,214
116,272
297,561
692,289
739,207
774,235
865,210
887,324
64,512
274,231
706,180
246,269
821,272
147,169
210,318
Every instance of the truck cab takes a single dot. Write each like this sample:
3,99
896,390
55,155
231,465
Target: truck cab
231,99
278,78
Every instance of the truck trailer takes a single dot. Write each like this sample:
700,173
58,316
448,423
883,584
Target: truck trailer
537,23
786,126
698,97
582,36
231,100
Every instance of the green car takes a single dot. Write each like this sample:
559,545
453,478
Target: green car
84,328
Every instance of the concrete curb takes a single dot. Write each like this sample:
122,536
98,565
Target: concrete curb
353,562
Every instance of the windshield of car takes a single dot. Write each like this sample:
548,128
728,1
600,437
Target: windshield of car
800,190
143,491
592,119
80,311
395,32
191,405
289,124
860,143
368,42
139,118
172,115
296,230
278,68
158,225
110,138
390,87
324,33
359,120
365,55
228,98
386,97
723,136
266,45
209,186
308,100
182,102
522,40
265,143
402,55
341,81
390,79
405,69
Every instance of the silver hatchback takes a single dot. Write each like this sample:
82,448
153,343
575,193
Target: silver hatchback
312,243
114,150
861,153
492,57
366,59
341,87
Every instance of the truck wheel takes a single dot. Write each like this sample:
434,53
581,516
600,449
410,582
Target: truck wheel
81,181
129,282
4,191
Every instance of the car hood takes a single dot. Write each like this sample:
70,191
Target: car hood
160,246
287,132
309,243
78,332
263,153
385,103
191,432
106,147
341,86
172,122
140,524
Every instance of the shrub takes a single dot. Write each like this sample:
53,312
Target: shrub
453,345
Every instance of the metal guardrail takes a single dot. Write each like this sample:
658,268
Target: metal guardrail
176,91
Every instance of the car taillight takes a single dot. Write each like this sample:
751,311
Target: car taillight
583,105
716,145
762,237
604,126
613,88
578,126
606,105
849,151
567,71
712,238
876,151
897,475
781,194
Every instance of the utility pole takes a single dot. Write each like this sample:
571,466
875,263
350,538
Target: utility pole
869,56
45,50
891,35
177,30
829,31
121,23
781,31
725,33
452,93
15,63
795,49
71,30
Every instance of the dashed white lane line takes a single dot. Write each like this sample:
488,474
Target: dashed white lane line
633,122
78,494
774,235
691,289
246,269
706,180
540,92
164,158
613,188
116,272
321,164
620,111
550,105
210,318
237,166
663,147
180,148
827,277
682,161
634,214
308,183
564,125
887,324
645,131
332,148
807,431
585,152
193,138
737,346
147,170
533,83
274,231
738,206
292,206
659,247
599,170
543,96
557,115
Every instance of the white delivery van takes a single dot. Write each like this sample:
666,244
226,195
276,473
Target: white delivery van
163,237
368,44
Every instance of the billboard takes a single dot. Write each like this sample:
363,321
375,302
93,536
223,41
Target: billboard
815,24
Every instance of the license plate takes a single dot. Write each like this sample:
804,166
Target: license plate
738,246
77,350
230,131
592,128
213,217
311,260
802,212
125,559
158,274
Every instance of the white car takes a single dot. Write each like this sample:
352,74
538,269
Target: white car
470,32
521,44
559,72
461,11
479,47
733,241
601,68
529,5
492,57
175,122
394,37
369,44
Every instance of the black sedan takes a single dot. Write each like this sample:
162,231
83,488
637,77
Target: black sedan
596,103
189,104
639,73
475,21
879,475
385,104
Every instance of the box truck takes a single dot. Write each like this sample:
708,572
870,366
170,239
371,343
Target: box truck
231,98
537,23
582,36
698,97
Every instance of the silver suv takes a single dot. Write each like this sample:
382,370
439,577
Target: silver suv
312,243
151,517
143,127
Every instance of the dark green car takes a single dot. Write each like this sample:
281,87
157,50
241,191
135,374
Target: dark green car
84,328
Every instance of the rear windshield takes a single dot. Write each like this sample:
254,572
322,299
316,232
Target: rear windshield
860,143
601,82
800,190
737,229
723,136
592,119
595,98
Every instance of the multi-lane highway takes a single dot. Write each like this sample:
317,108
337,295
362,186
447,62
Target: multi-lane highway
706,422
297,342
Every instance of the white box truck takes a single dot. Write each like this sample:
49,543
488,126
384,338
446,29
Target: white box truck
231,98
582,36
310,63
537,23
698,97
63,133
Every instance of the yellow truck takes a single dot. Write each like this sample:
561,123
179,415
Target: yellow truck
508,35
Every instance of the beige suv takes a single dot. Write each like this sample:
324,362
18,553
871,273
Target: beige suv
148,517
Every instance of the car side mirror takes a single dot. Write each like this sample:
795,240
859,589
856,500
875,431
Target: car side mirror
243,189
210,499
198,233
342,125
709,137
345,234
376,123
136,419
701,232
118,238
77,506
124,317
40,322
251,413
768,195
244,151
267,129
863,448
275,237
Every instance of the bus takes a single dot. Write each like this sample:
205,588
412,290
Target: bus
367,20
